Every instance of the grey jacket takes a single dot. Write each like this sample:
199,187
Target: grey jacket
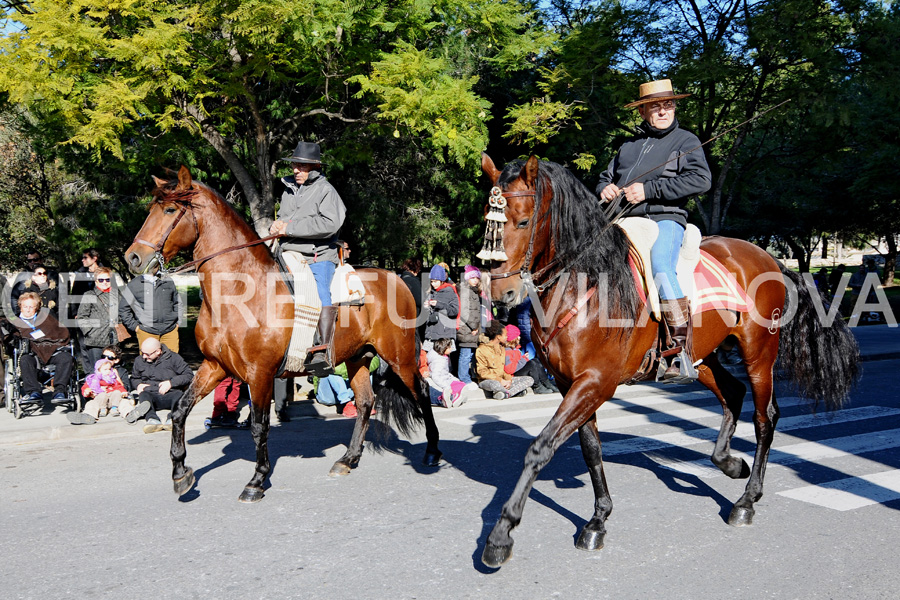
98,314
314,213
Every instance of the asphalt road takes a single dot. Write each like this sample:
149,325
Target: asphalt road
96,517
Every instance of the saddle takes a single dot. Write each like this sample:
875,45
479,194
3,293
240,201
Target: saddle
642,233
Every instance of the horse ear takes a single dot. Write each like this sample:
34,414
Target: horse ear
184,178
487,165
159,182
530,170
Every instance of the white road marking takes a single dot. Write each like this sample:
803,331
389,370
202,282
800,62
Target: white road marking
852,492
791,454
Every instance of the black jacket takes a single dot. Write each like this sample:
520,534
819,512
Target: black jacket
674,179
152,306
168,367
469,316
415,288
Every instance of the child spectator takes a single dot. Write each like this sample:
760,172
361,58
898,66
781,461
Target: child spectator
443,309
490,359
518,363
451,388
105,391
475,314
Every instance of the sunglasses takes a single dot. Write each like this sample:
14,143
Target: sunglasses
41,273
103,279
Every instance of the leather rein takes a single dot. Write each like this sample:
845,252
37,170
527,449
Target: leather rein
194,264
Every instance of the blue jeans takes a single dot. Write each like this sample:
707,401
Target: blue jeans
333,390
323,272
465,364
664,258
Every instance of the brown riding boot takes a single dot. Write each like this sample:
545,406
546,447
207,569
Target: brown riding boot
320,358
677,314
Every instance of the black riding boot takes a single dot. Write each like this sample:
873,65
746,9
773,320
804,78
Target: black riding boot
320,358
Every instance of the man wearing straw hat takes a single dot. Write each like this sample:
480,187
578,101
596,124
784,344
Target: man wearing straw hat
310,216
656,173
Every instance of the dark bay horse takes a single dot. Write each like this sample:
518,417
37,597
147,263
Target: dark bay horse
554,226
246,319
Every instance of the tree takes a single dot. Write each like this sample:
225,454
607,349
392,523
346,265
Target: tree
251,78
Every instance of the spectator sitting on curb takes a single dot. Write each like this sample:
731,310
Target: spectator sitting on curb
490,359
160,377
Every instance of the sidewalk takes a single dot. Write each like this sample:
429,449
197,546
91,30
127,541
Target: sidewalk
876,342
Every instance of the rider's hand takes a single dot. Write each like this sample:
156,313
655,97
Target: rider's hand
634,193
609,192
277,228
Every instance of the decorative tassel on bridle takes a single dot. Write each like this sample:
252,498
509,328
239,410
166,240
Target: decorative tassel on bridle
492,249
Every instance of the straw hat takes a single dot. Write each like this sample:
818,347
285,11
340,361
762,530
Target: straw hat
655,91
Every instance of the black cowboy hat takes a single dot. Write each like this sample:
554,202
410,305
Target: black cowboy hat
306,152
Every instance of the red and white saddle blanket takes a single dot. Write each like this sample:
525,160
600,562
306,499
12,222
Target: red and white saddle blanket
703,279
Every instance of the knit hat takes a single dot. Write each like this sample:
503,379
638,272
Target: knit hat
471,271
99,364
512,332
438,273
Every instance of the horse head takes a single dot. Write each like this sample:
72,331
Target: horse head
520,238
170,227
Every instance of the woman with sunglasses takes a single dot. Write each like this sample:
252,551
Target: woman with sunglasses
39,282
98,314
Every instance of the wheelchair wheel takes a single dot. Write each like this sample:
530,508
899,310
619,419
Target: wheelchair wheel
10,385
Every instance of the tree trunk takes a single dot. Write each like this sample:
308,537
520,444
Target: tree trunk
800,253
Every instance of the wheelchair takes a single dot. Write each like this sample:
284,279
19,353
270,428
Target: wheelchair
12,384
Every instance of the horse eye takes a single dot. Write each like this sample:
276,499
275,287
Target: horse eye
522,224
169,210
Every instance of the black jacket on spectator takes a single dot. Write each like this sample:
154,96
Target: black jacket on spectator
168,367
150,303
415,287
49,294
442,316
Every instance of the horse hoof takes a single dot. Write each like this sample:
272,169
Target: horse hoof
251,494
183,485
432,459
590,539
496,556
736,468
339,469
741,516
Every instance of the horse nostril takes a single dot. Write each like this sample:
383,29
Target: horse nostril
134,259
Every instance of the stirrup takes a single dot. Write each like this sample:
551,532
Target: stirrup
686,369
317,362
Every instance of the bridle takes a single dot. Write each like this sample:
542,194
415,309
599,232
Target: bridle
524,272
160,260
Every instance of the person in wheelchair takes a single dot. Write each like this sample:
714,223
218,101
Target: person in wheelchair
48,342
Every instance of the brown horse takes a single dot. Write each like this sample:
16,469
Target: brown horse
555,227
246,320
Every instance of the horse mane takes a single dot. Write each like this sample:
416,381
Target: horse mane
168,192
581,235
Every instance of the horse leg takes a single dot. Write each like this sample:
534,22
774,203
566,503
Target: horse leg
730,392
408,373
593,533
260,401
569,417
208,377
765,417
364,397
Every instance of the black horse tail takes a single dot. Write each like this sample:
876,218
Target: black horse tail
822,360
397,403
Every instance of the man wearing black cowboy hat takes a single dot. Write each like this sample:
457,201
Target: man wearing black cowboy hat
310,217
656,175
